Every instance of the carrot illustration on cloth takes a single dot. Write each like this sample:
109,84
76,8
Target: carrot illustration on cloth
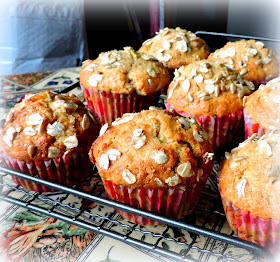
17,241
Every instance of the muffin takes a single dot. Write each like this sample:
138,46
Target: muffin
262,109
48,135
154,160
123,81
250,58
211,93
249,183
176,47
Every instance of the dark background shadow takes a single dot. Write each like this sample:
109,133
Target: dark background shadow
115,24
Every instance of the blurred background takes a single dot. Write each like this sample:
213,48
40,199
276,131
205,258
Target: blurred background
40,35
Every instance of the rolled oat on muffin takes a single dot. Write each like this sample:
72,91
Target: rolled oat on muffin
122,81
176,47
154,153
48,135
249,183
262,109
212,93
250,58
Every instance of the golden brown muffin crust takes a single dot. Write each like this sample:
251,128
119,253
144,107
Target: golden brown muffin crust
176,47
47,125
207,88
251,58
250,176
152,149
263,106
124,71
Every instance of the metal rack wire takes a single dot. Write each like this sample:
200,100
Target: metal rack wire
209,210
110,226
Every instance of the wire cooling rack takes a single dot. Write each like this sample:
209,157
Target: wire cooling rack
216,40
206,220
209,210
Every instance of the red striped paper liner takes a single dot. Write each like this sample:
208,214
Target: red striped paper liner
225,132
264,232
109,106
259,82
175,202
251,127
67,170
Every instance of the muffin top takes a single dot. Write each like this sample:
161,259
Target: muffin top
249,57
250,176
176,47
153,149
45,126
207,88
124,71
263,106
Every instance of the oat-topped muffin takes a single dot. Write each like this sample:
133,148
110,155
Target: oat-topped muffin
49,135
158,153
176,47
208,88
250,188
262,109
122,81
211,93
251,58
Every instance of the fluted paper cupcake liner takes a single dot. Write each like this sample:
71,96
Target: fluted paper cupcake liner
175,202
225,132
67,170
258,83
109,106
251,127
264,232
